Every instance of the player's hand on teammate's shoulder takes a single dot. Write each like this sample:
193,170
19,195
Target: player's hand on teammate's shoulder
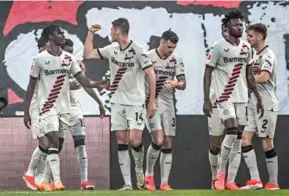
27,120
101,111
151,109
94,28
207,108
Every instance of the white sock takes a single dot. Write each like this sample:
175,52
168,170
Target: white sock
251,161
214,164
152,156
83,163
165,164
54,163
40,169
124,163
225,152
138,158
234,161
47,174
272,166
35,158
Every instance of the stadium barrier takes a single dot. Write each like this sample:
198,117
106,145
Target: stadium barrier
17,146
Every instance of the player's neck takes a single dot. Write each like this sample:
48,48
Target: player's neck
54,50
124,43
260,46
161,54
233,40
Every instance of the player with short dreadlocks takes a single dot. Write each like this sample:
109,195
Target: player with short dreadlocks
231,59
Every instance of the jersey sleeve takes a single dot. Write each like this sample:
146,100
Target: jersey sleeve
143,59
105,52
35,69
213,56
268,62
75,67
180,69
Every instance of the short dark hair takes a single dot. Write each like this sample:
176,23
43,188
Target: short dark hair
170,36
41,42
49,31
122,24
68,42
259,28
234,14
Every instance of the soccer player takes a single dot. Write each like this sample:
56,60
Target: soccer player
231,60
264,127
51,68
162,126
216,132
37,164
76,122
128,64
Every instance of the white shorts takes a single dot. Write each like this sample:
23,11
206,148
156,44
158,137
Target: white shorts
229,110
35,130
264,127
127,117
163,120
50,123
215,124
76,125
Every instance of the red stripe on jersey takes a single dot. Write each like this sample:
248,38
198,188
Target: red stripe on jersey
118,76
159,86
231,83
53,95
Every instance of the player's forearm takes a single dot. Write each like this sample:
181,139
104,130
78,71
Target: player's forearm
152,84
29,94
88,46
91,92
207,82
181,85
252,83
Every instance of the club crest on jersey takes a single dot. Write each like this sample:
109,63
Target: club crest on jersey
128,57
66,61
132,51
244,50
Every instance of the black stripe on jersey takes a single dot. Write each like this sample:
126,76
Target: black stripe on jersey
77,73
99,53
147,67
33,78
269,63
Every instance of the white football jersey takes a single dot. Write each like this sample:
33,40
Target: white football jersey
165,69
53,86
266,60
127,81
230,63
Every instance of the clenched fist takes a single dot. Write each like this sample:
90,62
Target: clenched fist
94,28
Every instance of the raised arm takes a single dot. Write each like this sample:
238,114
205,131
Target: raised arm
89,52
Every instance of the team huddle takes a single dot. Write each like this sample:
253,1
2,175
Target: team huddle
239,100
